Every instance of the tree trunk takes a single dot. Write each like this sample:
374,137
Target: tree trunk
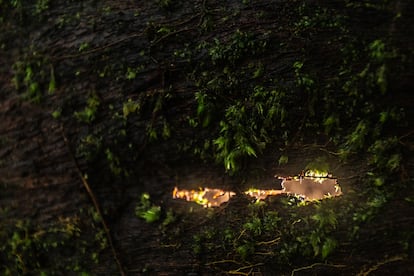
120,80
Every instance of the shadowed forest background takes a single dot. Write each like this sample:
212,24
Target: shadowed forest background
106,106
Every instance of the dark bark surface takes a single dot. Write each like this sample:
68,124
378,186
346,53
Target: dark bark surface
146,52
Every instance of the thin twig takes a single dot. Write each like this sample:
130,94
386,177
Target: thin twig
313,265
239,270
95,204
186,29
330,152
222,262
376,266
406,135
269,242
94,50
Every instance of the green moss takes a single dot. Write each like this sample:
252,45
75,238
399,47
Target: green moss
88,114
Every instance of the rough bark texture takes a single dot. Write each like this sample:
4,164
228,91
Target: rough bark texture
90,47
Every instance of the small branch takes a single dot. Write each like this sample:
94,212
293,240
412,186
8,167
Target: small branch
239,270
76,55
170,34
330,152
375,267
314,265
241,234
222,262
95,204
269,242
265,253
406,135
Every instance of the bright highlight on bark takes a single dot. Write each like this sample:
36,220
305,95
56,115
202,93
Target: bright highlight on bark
311,185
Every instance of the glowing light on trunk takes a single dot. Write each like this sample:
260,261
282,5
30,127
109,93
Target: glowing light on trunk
262,194
312,185
206,197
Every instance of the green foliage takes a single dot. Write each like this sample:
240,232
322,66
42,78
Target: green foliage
88,114
130,107
152,133
375,5
306,83
375,202
33,91
61,247
205,241
33,78
166,130
257,233
254,226
245,250
283,159
52,82
385,156
365,85
377,50
146,210
357,139
89,147
41,6
246,103
325,218
152,214
197,244
165,4
328,247
319,165
16,3
114,163
319,238
132,72
158,126
83,46
247,128
239,44
232,147
304,80
312,236
313,17
170,218
25,78
271,221
331,123
205,108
